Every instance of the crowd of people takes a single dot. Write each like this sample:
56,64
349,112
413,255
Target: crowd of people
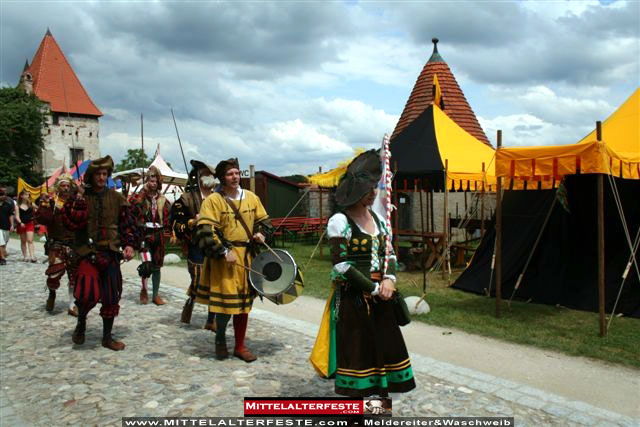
221,226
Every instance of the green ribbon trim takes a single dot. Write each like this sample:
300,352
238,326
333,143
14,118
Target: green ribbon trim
375,380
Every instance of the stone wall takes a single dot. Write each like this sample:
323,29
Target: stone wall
70,132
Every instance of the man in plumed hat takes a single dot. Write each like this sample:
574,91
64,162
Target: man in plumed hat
184,216
59,239
103,222
231,221
154,208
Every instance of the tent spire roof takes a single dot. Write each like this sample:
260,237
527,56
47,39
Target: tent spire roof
422,95
55,82
435,56
26,65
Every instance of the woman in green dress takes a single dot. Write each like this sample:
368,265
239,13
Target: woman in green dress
359,342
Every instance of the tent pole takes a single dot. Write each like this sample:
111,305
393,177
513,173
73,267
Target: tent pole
600,183
445,217
482,205
498,234
320,209
433,222
252,178
396,210
422,240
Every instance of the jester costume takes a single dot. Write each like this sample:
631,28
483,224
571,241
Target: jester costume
59,245
359,342
221,229
183,219
103,221
154,209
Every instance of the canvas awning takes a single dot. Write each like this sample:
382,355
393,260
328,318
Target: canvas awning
618,153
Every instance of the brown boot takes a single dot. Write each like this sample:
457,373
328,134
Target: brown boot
158,301
51,301
245,355
78,334
210,326
107,339
187,310
144,296
221,351
73,311
112,344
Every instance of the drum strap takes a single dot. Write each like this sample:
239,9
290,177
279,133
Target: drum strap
236,212
239,218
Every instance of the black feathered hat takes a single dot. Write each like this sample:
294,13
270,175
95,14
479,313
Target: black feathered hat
363,174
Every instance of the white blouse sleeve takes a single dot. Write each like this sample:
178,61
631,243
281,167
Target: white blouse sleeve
338,226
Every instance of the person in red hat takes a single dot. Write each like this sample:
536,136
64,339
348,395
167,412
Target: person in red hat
103,222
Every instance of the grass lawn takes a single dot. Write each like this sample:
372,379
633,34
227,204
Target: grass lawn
570,331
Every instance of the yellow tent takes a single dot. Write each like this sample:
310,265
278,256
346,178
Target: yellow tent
424,147
618,153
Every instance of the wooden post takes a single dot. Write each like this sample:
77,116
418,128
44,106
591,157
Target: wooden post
482,204
601,265
433,218
320,208
422,239
466,210
498,266
445,218
396,210
252,178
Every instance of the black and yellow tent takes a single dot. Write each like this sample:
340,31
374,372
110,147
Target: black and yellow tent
549,238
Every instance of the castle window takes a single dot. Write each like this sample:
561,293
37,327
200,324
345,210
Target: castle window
48,131
55,119
90,134
77,155
76,132
62,132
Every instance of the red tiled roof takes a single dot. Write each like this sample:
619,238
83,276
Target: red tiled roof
455,103
54,80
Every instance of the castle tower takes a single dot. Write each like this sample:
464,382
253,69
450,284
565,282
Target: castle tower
455,103
72,127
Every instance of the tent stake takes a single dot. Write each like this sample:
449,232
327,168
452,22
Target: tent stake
498,235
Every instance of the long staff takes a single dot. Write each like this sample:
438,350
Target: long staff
184,159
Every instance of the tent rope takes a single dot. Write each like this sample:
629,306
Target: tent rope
624,276
627,234
533,250
306,191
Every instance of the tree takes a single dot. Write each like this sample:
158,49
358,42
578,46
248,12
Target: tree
135,158
22,119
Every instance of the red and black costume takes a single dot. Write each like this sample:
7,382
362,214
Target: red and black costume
103,222
154,209
59,248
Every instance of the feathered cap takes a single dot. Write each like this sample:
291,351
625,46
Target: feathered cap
363,174
224,166
64,177
154,171
105,162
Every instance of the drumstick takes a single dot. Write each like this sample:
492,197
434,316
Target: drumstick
250,269
272,251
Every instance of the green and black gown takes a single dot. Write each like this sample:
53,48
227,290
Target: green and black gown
360,343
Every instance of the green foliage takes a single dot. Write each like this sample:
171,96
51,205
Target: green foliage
135,158
22,118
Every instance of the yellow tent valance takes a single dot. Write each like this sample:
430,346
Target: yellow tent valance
332,178
618,153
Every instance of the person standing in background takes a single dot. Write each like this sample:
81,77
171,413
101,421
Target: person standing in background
7,212
26,225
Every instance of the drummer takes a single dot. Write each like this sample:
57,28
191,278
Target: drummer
231,225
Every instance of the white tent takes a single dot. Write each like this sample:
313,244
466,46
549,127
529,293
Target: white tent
173,182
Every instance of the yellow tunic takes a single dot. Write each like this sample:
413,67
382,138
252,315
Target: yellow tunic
229,287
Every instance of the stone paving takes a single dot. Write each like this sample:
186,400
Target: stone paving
169,369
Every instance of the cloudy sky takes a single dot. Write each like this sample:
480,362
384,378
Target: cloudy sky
290,86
